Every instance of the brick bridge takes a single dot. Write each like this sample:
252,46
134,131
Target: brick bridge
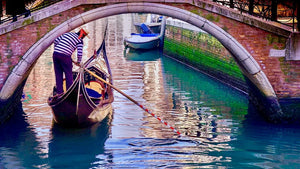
253,42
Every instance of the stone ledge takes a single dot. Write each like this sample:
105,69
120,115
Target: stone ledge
293,47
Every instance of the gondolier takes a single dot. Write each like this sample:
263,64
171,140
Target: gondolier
64,46
88,100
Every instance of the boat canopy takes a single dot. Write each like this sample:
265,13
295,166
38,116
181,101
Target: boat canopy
145,29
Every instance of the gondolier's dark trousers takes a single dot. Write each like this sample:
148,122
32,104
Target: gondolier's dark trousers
62,64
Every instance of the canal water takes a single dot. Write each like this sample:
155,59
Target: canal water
221,127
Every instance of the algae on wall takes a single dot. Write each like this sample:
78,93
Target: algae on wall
205,53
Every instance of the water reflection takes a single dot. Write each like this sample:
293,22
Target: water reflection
260,144
208,106
79,148
142,55
19,147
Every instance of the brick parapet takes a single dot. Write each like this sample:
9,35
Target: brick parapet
15,44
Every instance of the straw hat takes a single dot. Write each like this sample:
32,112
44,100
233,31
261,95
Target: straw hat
83,33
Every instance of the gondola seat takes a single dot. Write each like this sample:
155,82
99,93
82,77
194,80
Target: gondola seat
93,93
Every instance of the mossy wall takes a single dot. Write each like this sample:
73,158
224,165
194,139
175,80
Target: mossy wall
204,52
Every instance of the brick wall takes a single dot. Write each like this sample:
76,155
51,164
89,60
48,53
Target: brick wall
14,44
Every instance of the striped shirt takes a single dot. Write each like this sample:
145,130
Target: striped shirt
67,44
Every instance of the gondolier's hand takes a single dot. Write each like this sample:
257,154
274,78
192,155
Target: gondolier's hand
78,64
95,54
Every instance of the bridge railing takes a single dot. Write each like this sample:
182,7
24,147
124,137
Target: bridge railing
29,9
282,12
278,11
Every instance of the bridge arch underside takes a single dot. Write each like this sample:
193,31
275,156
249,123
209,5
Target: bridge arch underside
247,63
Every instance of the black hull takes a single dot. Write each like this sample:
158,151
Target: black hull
78,107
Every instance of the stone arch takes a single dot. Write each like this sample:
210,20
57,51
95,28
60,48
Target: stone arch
246,62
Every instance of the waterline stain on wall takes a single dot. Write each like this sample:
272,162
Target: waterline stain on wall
205,53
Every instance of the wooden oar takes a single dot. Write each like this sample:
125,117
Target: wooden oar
128,97
131,99
142,107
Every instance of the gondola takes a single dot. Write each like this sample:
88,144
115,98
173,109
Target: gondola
88,100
